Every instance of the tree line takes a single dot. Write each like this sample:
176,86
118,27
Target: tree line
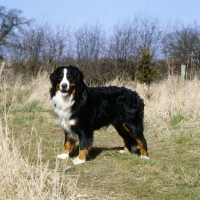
102,55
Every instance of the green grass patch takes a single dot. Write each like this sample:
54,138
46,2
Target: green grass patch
31,114
176,120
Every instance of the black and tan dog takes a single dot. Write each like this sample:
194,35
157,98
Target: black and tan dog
81,110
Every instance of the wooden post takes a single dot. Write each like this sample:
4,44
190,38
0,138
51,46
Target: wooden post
183,67
1,68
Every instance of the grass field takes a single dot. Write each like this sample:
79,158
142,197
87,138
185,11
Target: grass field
31,139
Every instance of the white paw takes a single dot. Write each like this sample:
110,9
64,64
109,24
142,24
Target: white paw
121,151
145,157
134,148
77,161
63,156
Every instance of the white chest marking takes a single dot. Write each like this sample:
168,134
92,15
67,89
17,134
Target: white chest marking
63,111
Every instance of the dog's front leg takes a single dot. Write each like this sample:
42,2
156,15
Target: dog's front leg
81,157
68,146
85,145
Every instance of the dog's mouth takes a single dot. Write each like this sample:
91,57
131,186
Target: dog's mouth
64,93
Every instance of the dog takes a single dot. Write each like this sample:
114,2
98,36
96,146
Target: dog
81,110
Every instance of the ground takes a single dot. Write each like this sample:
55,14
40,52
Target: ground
171,130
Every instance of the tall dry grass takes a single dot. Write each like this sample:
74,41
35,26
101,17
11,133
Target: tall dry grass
20,179
173,97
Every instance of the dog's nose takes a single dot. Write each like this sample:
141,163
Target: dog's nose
64,85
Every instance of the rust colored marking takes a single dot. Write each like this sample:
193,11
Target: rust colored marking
142,149
73,88
74,92
72,85
57,87
126,149
83,153
69,146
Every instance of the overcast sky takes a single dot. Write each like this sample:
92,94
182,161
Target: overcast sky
106,12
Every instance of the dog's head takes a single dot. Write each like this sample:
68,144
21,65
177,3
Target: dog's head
66,79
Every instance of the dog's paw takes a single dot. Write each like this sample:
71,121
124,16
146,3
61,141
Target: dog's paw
125,150
145,157
63,156
77,161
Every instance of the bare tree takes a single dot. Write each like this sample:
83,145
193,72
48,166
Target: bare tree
150,35
90,43
9,21
129,38
123,42
181,45
40,46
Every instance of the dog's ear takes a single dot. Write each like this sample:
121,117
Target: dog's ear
78,74
80,77
52,89
52,77
79,83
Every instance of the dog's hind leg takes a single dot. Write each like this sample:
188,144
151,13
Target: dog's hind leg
130,143
137,134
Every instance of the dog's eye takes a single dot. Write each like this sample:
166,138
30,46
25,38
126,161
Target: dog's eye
68,75
60,76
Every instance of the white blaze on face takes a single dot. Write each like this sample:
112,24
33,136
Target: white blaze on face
64,82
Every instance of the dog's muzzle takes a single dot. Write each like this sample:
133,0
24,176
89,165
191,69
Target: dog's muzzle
64,89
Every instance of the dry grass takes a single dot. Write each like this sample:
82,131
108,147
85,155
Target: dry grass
20,179
31,138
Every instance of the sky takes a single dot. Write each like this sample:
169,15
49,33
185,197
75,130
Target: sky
77,13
